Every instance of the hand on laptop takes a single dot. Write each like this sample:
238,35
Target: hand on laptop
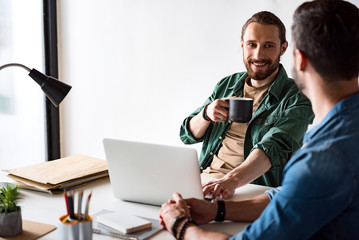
221,188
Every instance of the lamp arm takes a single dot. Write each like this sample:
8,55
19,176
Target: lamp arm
15,65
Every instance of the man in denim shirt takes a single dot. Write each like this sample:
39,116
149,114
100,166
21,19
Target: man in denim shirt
319,198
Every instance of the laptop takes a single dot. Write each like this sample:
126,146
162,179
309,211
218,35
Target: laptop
150,173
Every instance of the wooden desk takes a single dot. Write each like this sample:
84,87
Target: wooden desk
46,208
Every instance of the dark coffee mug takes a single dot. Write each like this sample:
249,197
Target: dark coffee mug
240,109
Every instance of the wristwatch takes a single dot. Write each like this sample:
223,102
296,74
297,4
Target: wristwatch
204,114
221,212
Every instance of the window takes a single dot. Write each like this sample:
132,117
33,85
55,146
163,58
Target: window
23,134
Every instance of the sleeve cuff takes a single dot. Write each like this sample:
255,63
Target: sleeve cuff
272,192
238,236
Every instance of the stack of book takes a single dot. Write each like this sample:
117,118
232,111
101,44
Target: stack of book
124,225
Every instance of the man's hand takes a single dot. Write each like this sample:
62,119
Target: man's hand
217,111
172,209
202,211
255,165
199,209
222,188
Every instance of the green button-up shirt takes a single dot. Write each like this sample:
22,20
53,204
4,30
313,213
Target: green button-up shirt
277,126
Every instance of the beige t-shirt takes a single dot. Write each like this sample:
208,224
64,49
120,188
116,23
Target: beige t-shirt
230,155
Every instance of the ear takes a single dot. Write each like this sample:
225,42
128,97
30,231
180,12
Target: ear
242,43
301,60
283,48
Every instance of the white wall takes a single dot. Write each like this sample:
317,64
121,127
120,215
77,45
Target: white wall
139,67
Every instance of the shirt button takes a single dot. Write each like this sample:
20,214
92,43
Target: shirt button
201,168
229,121
220,137
211,153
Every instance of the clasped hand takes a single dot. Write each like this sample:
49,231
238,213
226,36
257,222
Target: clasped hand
201,211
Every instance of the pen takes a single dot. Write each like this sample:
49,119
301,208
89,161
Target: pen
87,206
79,202
66,219
70,199
67,203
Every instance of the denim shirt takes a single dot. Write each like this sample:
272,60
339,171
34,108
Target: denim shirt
319,198
277,126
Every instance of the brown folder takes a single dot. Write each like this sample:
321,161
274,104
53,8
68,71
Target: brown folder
59,175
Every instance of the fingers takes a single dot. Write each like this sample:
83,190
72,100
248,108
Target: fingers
216,190
226,193
177,197
171,201
207,183
212,191
207,189
172,209
162,223
217,111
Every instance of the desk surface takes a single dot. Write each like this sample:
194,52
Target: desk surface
46,208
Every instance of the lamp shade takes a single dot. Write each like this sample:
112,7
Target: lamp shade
55,90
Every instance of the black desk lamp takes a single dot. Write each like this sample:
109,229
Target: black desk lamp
53,88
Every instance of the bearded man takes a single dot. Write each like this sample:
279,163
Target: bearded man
239,153
319,196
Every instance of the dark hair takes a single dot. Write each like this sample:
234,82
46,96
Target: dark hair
327,32
267,18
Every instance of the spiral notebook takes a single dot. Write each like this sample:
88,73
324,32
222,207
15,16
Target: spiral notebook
124,223
102,229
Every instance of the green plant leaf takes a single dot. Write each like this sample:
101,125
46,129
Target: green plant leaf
9,198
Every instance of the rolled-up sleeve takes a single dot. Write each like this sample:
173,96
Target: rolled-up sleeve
185,134
272,192
285,132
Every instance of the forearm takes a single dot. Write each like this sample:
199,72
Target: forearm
195,232
198,125
255,165
246,210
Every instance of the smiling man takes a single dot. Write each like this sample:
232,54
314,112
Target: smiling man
239,153
319,196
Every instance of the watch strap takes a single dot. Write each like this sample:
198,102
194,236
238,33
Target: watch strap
204,114
221,211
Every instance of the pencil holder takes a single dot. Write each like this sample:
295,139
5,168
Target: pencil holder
85,229
68,230
74,229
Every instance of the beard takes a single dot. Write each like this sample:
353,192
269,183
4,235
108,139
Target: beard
261,74
298,81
